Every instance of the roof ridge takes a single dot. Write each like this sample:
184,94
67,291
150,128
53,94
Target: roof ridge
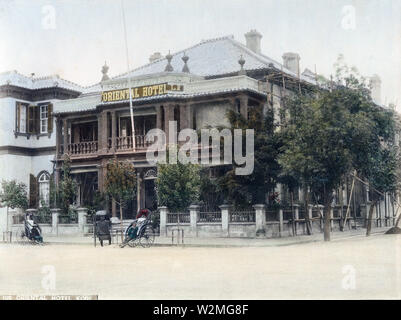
174,54
259,56
57,76
32,80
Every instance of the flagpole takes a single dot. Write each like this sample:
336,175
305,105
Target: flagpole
129,79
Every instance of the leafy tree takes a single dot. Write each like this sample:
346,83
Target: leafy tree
97,202
210,192
178,185
13,195
67,189
120,183
332,132
245,190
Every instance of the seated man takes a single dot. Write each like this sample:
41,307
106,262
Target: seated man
140,219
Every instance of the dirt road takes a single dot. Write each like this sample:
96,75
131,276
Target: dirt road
349,269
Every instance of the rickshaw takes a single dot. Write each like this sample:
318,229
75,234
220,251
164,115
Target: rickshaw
31,231
140,231
101,227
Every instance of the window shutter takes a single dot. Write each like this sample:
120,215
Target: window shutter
33,191
31,119
26,118
36,121
29,115
50,118
17,116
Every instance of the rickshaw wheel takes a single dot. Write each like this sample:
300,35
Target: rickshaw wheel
133,243
20,236
148,237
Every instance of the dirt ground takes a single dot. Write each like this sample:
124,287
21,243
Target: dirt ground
346,269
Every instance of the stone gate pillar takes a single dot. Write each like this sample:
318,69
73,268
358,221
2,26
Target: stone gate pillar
225,219
194,215
82,213
55,213
260,219
163,221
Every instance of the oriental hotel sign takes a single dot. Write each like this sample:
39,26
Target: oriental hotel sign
139,92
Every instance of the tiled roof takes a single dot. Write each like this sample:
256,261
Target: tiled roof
17,79
87,102
209,58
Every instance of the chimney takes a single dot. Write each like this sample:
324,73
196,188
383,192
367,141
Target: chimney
375,88
291,62
253,40
155,56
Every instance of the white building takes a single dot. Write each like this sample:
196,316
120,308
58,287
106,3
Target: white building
27,134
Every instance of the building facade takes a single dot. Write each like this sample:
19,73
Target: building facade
27,131
51,118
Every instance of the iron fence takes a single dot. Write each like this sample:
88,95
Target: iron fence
178,217
44,218
272,215
67,219
242,216
209,216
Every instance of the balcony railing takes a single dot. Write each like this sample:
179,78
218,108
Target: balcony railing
80,148
91,147
126,143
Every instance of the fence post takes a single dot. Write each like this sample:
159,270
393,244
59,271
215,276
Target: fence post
225,219
194,214
364,212
296,214
281,222
260,219
310,216
163,221
321,211
332,208
82,213
55,213
382,212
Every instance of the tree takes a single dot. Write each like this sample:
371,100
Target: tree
13,195
247,190
330,133
210,193
67,188
120,183
178,185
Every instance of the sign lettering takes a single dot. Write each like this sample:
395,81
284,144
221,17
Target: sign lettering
139,92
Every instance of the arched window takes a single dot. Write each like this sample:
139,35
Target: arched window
44,186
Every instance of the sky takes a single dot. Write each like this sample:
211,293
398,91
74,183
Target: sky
74,38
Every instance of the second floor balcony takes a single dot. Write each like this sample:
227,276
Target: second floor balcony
91,137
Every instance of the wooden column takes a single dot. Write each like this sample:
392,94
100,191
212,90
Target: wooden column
168,116
58,136
65,138
159,124
102,171
244,106
113,131
102,132
190,116
183,109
